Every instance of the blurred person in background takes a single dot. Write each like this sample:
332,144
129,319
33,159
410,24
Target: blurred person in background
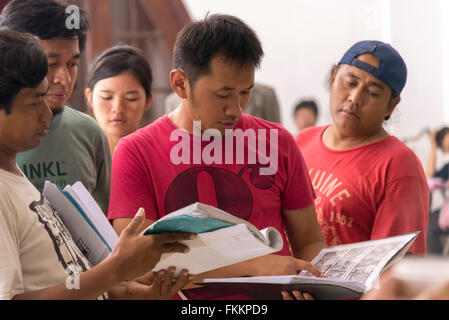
439,139
438,180
305,114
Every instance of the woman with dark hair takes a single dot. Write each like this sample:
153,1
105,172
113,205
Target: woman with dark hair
119,91
438,139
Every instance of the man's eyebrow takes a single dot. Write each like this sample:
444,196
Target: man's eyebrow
225,88
58,55
350,74
376,84
53,55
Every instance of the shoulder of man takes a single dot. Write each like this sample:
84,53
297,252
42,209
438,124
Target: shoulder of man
283,135
148,134
79,118
307,134
399,150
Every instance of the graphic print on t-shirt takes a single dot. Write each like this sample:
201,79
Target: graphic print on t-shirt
330,193
231,192
54,171
68,253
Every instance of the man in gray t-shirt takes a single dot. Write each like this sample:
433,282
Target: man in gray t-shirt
76,149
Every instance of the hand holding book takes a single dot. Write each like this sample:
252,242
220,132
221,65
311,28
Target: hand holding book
223,239
135,255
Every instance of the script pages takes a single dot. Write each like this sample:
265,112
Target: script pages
361,262
89,227
223,239
350,271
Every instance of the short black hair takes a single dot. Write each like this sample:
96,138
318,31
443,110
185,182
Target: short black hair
45,19
23,64
307,104
119,59
439,137
216,35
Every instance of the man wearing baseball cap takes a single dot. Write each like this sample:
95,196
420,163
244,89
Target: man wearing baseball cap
368,184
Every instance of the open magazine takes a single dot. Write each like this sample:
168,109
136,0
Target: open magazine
350,271
223,239
86,222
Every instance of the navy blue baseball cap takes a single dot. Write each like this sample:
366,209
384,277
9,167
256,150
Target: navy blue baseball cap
392,69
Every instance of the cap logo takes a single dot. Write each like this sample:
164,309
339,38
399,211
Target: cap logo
373,48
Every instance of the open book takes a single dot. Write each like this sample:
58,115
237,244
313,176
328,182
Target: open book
88,225
223,239
350,270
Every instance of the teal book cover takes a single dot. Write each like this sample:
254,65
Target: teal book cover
186,223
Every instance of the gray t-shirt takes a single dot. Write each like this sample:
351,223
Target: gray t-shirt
76,149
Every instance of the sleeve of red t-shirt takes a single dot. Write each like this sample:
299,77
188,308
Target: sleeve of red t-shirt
405,208
299,192
131,186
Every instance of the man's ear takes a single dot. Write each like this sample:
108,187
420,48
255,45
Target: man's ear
392,105
179,83
334,71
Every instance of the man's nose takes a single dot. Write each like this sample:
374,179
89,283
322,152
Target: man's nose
47,114
356,96
62,76
235,107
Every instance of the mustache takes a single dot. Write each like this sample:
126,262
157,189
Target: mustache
57,88
350,108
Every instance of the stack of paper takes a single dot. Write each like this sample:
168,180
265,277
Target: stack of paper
82,216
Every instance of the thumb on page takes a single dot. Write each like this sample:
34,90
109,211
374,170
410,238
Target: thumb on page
134,226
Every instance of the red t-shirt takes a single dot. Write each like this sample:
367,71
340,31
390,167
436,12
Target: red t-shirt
368,192
143,175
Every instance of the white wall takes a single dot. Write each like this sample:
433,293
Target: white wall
303,38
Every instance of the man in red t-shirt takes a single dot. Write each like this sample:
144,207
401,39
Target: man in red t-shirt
249,167
368,184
